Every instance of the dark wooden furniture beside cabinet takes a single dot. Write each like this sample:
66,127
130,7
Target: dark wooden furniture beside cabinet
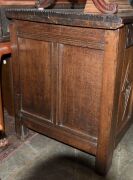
6,75
73,77
5,48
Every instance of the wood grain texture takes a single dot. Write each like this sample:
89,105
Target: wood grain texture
110,111
76,104
76,18
35,63
68,82
85,143
40,60
106,138
21,131
126,95
63,34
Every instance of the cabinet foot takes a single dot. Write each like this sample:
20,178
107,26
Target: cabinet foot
22,131
103,164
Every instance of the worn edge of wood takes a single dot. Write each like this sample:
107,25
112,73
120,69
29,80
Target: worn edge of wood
107,124
31,123
64,17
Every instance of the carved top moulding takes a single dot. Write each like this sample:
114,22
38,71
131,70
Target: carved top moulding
94,6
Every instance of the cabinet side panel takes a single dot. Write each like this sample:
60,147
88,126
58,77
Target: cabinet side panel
80,78
125,114
35,77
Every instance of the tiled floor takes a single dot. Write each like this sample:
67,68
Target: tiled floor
41,158
14,142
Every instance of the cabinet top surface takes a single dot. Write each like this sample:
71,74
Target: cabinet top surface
70,17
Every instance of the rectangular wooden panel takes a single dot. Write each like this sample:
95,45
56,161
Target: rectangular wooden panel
126,93
79,88
85,37
35,77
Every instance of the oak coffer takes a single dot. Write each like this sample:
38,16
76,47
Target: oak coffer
73,77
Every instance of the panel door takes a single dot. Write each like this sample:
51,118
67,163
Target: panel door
36,78
80,81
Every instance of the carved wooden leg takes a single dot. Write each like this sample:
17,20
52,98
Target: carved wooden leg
4,49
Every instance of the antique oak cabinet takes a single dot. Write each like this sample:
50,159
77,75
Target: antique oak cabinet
73,77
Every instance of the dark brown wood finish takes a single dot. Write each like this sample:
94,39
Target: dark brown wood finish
69,81
7,90
7,86
76,104
37,96
126,94
38,101
113,57
5,48
6,70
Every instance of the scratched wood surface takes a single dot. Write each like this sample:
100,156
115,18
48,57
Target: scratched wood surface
70,82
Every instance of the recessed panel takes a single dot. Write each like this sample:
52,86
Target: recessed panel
35,76
80,81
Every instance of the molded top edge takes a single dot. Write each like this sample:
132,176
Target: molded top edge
70,17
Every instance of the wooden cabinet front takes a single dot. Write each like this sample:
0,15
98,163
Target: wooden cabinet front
60,78
73,84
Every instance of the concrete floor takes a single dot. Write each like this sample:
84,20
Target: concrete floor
41,158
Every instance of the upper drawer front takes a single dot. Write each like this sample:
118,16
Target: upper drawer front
85,37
